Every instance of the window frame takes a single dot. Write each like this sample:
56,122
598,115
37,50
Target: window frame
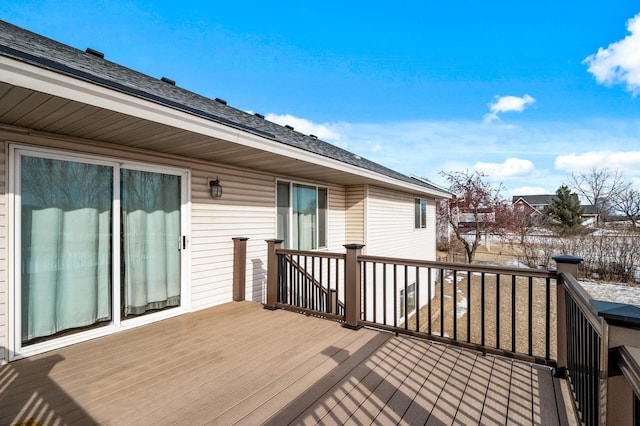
420,213
411,291
321,214
15,153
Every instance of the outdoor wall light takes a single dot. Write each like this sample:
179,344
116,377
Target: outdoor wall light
216,188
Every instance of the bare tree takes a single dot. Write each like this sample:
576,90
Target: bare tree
523,222
473,210
598,187
627,202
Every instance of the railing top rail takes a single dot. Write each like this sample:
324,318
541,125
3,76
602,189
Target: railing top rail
323,254
629,363
582,299
472,267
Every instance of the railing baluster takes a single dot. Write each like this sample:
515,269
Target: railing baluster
375,293
384,293
442,302
430,301
338,290
498,311
455,305
469,278
406,298
530,325
417,299
483,308
547,326
395,295
513,313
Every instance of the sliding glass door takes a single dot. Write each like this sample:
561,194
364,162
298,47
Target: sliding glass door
66,219
97,242
151,241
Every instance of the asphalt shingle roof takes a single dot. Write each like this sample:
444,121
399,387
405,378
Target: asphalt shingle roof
26,46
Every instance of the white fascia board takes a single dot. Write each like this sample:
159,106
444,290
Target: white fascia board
32,77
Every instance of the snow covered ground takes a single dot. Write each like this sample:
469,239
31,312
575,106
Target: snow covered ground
610,292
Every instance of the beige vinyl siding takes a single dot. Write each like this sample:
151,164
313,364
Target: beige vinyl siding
391,226
391,232
355,212
246,209
336,220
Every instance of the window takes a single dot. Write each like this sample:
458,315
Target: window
411,300
421,213
301,216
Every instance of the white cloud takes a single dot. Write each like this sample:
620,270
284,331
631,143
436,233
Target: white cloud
530,190
511,168
302,125
376,147
507,104
619,63
626,161
537,155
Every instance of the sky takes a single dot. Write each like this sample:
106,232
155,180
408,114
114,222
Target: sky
524,92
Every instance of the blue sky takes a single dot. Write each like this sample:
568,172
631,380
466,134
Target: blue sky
526,92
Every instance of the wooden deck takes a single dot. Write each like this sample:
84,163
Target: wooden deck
239,363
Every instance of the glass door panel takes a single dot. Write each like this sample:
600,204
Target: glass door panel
65,247
150,242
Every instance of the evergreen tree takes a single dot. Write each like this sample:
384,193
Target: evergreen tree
565,210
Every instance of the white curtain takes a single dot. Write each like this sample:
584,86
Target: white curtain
304,217
65,245
151,239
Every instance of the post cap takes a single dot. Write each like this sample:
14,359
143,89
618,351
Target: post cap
240,238
567,258
353,246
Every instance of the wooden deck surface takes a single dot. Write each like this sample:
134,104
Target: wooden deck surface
241,364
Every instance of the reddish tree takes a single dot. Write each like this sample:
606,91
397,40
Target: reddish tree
475,209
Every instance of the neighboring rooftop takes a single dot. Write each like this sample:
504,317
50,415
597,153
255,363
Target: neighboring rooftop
535,199
94,67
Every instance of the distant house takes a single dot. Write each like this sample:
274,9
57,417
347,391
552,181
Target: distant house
121,194
537,205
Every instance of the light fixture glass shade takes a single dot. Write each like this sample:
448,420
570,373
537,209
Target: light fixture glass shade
216,188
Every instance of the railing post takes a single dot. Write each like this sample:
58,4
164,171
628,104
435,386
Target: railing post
621,327
569,265
239,268
272,273
352,291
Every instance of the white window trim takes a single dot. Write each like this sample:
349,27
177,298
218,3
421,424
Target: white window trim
292,182
423,226
16,351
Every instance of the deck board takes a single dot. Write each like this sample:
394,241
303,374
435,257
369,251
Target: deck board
241,364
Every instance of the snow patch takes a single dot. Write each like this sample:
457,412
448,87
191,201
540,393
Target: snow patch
611,292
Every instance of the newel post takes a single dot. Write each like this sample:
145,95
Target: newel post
239,268
352,290
272,273
569,265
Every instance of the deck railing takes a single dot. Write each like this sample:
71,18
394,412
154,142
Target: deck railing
504,311
587,355
311,282
536,315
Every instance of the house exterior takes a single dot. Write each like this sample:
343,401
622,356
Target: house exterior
107,219
537,205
